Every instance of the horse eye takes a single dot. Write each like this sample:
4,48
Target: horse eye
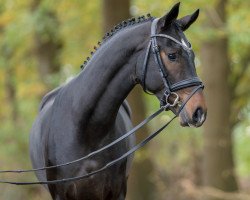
172,56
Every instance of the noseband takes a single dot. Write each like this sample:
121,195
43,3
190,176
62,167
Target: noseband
165,104
170,89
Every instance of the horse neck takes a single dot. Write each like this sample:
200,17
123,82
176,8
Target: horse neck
98,91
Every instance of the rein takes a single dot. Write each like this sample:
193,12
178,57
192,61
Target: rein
135,148
165,104
131,151
145,121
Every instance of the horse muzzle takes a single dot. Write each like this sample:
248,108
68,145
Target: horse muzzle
196,119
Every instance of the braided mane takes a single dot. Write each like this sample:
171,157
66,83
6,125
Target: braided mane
115,29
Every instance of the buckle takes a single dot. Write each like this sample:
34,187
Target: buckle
165,101
176,99
156,49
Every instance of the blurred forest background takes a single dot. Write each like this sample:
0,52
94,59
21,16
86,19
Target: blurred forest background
43,43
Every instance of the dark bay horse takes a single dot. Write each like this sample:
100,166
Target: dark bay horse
90,111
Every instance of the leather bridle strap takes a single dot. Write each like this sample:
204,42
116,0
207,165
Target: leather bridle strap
195,81
157,56
199,87
144,69
185,47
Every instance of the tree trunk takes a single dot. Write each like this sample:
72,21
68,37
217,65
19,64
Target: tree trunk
218,157
114,11
140,186
47,44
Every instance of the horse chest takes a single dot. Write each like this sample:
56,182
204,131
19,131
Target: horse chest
110,185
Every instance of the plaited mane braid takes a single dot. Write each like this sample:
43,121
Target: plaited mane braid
115,29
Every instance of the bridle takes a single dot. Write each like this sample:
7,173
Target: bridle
170,89
165,104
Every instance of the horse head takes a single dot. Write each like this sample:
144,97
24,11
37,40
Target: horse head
168,69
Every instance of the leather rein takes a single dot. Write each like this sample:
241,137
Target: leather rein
165,104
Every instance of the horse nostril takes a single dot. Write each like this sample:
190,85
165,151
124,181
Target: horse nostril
197,116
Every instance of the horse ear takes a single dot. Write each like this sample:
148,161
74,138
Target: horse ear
172,15
186,21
